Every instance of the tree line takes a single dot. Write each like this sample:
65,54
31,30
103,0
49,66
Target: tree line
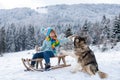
13,39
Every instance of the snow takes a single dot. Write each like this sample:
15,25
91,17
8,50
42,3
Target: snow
11,67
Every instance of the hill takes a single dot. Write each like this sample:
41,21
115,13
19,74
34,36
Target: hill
58,14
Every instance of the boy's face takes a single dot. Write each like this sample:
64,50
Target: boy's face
52,34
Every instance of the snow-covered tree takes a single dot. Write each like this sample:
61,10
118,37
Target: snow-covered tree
10,35
22,38
2,39
85,29
115,33
30,41
116,28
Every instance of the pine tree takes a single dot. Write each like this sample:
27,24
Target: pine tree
116,28
30,41
20,39
103,19
10,35
85,28
17,40
23,38
105,33
2,41
85,31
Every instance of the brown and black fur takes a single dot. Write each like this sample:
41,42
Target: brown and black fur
86,57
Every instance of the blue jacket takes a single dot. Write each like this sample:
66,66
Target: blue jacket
46,46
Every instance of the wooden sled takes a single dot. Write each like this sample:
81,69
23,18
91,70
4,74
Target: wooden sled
26,63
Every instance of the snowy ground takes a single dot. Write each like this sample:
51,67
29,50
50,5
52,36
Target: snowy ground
11,67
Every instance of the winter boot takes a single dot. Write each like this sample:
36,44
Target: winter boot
47,66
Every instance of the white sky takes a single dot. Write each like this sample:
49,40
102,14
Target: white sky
8,4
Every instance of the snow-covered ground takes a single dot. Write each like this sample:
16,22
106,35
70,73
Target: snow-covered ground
11,67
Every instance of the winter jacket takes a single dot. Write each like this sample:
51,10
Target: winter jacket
47,45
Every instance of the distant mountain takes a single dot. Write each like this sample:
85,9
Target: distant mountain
57,14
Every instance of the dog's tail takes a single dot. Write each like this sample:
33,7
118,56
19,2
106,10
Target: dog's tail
102,74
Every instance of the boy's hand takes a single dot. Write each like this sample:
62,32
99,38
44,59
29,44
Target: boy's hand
37,48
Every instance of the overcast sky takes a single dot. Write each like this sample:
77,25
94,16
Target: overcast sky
8,4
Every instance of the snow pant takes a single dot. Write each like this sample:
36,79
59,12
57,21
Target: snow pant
46,55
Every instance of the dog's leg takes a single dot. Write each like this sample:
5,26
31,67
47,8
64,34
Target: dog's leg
72,54
88,70
76,68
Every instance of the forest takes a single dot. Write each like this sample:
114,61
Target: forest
15,39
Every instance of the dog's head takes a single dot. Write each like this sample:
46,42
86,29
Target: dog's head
79,42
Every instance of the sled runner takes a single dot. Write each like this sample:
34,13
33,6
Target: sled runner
28,67
26,63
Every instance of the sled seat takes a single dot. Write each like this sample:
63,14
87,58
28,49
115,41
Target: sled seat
60,57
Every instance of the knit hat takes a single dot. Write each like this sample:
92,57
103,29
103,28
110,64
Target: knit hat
46,31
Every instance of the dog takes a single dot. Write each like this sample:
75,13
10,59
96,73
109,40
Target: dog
85,57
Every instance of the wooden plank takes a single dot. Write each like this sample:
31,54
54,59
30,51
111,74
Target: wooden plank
60,66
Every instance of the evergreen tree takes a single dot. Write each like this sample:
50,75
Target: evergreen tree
116,28
103,19
85,31
23,38
17,40
10,35
0,42
2,39
95,33
30,41
20,39
105,35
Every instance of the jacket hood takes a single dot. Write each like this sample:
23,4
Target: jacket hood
48,31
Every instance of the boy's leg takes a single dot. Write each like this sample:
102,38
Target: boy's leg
47,55
35,56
